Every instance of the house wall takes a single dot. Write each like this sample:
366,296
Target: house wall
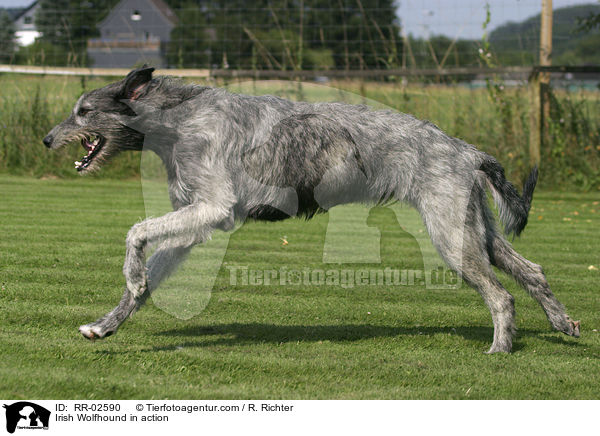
25,30
134,32
120,25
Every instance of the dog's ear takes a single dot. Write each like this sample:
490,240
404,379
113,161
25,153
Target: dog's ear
136,82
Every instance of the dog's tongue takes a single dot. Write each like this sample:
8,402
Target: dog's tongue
87,145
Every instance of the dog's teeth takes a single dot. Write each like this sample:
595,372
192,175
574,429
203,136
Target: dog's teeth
77,163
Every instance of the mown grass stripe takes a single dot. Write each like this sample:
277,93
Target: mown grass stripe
277,341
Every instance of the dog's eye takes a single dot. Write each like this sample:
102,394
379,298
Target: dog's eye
83,111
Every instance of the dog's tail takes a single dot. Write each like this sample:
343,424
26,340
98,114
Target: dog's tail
513,208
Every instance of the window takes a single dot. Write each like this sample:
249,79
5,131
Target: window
28,20
136,16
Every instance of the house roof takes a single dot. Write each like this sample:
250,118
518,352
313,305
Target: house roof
165,10
160,5
24,11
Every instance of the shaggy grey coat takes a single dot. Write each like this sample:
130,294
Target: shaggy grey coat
231,156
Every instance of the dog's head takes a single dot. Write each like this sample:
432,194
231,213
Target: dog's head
99,121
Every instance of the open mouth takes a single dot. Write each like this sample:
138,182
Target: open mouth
92,145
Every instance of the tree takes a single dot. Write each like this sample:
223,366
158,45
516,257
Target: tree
361,34
286,34
7,37
43,53
190,40
588,23
68,24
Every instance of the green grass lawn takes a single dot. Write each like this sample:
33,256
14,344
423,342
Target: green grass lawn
61,253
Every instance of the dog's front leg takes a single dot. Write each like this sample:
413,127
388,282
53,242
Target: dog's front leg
162,263
176,232
183,228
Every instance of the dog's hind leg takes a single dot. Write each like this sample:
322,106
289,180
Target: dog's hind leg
532,278
476,270
160,265
498,300
457,229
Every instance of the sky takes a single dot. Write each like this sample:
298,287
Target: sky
464,18
453,18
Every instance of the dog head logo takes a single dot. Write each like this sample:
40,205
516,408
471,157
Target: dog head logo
26,415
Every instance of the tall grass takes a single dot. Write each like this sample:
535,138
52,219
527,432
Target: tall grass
496,121
29,107
573,151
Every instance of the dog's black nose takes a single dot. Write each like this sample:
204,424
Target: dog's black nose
48,140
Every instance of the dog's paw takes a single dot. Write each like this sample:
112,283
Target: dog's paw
563,323
572,328
93,332
505,347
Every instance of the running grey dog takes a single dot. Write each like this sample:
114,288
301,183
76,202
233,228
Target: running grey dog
230,156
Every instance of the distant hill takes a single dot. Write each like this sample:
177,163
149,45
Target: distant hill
518,43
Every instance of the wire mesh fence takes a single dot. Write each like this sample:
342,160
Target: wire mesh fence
454,62
289,35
